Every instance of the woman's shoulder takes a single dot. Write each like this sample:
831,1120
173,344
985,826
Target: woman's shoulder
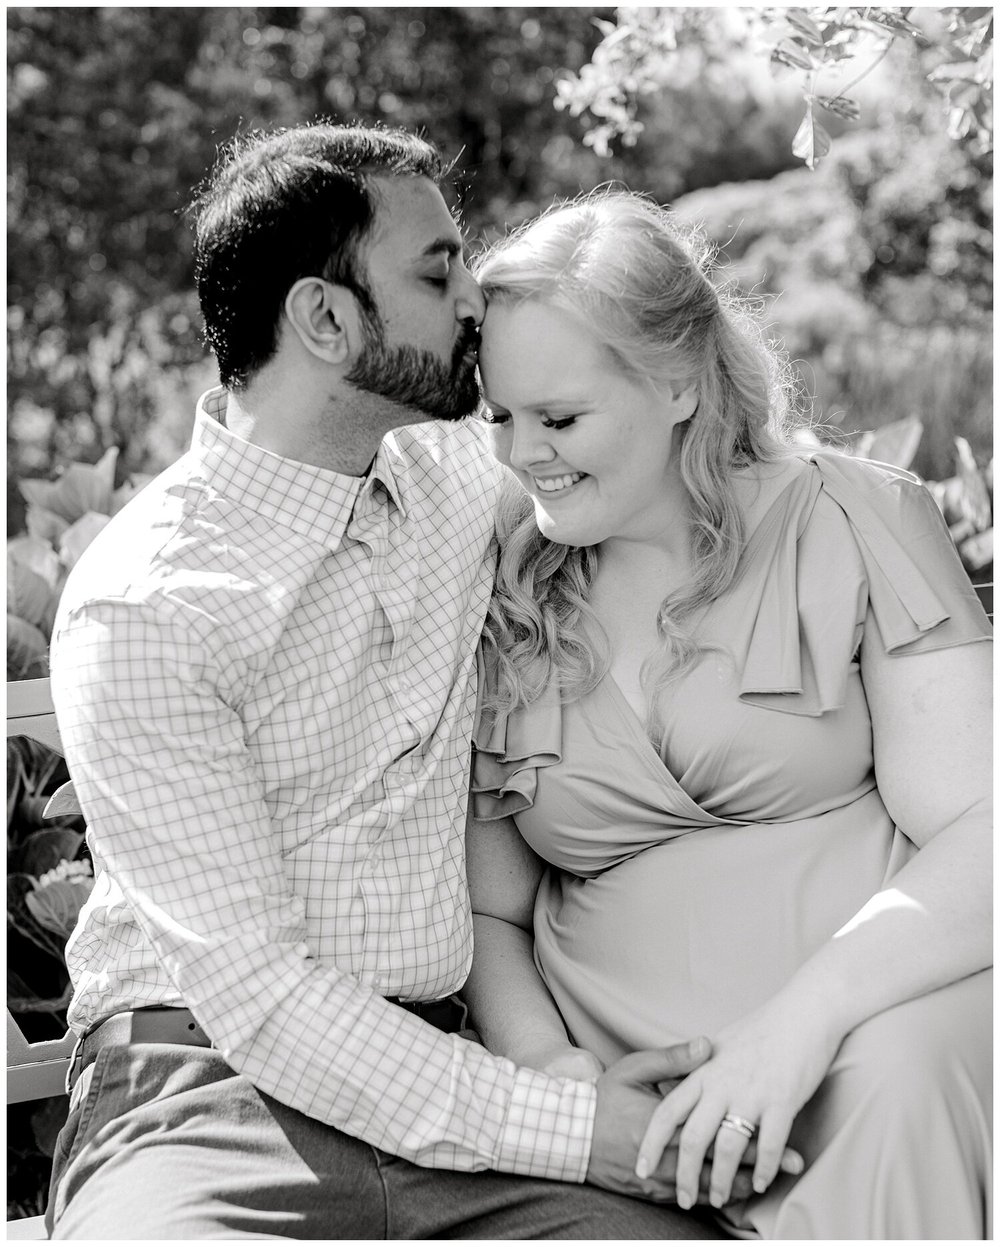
837,492
844,537
887,509
878,483
916,585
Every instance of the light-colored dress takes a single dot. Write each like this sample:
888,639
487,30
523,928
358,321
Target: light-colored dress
687,886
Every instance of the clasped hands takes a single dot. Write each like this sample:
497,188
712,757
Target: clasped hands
642,1143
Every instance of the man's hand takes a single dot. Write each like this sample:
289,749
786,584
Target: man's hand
627,1095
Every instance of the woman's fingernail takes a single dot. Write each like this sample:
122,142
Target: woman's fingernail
642,1167
759,1185
715,1200
684,1200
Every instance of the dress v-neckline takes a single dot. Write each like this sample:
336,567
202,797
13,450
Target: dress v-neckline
653,760
648,750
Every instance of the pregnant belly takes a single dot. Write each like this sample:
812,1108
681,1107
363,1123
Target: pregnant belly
690,934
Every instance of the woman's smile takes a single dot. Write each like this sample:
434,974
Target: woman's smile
557,484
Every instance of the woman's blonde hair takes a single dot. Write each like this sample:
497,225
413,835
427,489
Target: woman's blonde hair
643,283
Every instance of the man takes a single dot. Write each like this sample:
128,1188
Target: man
263,672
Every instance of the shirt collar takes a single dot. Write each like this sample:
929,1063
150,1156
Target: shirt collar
381,471
316,503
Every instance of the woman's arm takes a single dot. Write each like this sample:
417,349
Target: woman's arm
509,1004
928,927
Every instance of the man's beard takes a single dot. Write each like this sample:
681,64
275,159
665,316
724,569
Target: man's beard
417,378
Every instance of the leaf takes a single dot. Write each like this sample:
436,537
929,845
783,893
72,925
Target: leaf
804,24
890,19
56,906
955,69
36,554
976,552
840,106
27,651
974,501
40,762
894,443
82,487
788,52
44,524
20,917
811,142
77,537
29,596
63,803
959,123
34,1003
20,778
45,849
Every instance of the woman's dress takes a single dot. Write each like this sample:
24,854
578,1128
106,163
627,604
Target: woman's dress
687,886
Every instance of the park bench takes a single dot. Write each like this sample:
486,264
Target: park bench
38,1070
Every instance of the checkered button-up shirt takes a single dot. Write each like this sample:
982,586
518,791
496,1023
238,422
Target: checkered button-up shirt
264,676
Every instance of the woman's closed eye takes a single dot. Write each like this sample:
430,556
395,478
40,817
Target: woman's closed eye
498,415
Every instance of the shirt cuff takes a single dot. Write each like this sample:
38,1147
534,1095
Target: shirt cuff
549,1127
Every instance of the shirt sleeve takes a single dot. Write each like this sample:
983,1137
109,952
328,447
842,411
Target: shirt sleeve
149,716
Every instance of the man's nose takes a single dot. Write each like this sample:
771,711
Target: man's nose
471,302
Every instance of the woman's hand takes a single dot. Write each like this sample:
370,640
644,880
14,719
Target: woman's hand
763,1070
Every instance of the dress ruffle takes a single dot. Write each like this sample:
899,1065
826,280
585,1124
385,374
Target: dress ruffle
901,562
883,544
509,750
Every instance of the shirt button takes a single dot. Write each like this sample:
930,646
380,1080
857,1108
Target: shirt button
302,949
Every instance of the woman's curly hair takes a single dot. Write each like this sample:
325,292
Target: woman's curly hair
645,285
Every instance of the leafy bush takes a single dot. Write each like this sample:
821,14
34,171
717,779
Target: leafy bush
49,876
63,517
828,51
877,275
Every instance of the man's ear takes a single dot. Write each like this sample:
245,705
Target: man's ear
324,317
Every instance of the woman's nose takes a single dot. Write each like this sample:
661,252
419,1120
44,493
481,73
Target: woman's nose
529,447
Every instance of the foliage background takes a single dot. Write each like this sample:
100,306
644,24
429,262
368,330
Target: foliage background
879,263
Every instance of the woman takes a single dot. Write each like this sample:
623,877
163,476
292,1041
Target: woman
736,734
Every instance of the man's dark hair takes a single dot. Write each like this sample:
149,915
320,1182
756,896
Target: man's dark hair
283,205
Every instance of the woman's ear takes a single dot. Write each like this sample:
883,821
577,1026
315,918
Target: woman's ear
682,402
323,317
